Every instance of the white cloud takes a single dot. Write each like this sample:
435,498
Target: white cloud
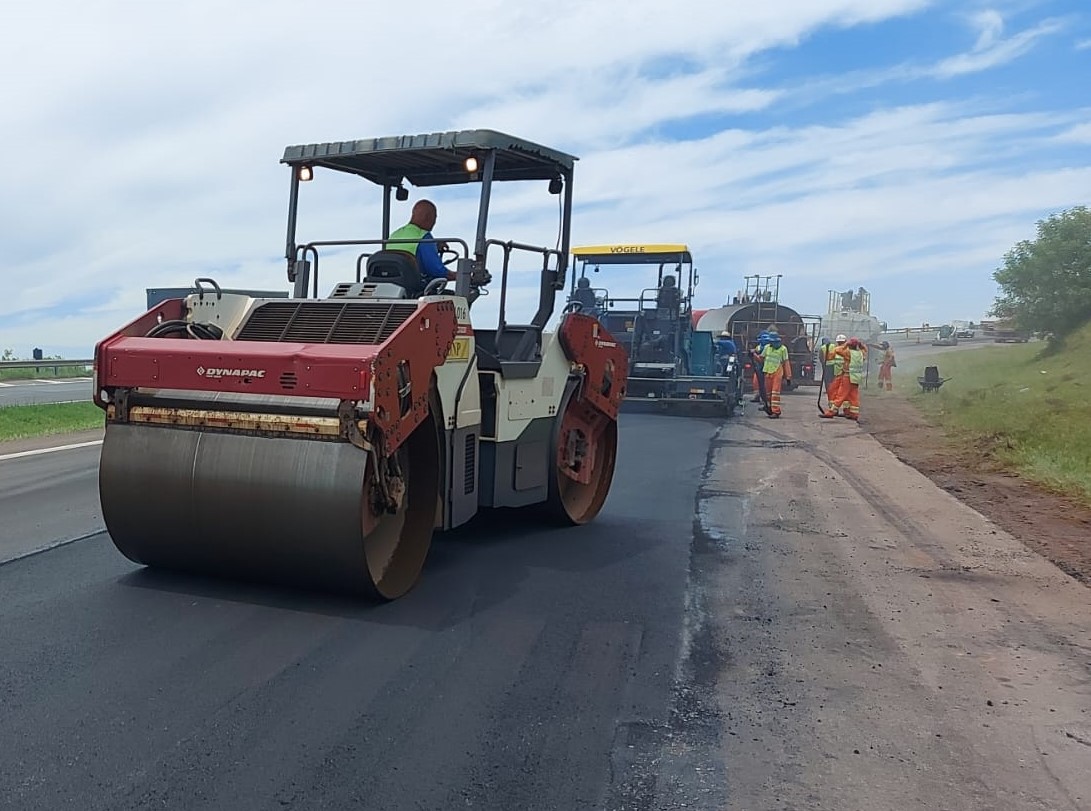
990,24
1077,134
142,145
991,50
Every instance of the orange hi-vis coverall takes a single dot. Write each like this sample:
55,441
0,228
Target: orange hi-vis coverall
776,367
885,365
848,387
835,361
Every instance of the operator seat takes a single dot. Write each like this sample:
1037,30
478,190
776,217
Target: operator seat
669,299
397,267
584,295
586,298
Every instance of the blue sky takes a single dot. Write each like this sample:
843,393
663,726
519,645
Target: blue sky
901,145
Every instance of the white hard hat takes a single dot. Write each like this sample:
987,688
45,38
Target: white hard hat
725,334
841,339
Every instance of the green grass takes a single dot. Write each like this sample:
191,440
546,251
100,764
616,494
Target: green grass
45,371
1027,410
21,422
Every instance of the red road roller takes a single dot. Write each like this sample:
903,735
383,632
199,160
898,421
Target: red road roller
321,442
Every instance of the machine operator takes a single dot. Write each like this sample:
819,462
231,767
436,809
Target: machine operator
585,296
725,347
420,225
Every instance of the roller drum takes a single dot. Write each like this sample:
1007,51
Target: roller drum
282,510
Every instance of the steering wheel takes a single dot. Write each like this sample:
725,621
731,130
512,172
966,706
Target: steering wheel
445,251
573,307
434,287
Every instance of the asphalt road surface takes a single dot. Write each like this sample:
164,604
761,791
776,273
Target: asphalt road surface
767,615
530,668
48,492
912,348
35,392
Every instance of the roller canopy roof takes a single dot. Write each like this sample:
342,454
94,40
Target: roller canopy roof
649,254
435,159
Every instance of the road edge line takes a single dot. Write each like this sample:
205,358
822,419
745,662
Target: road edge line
40,451
52,546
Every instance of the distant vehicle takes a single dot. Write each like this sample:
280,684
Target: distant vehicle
757,309
1004,332
1011,337
965,332
648,310
946,336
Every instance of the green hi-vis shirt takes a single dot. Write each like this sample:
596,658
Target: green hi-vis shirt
774,358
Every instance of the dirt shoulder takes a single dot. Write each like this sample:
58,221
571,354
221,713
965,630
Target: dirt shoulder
1056,528
880,644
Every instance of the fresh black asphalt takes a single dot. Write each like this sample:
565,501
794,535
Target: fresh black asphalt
531,668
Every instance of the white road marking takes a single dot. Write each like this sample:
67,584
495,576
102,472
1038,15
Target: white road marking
59,381
23,454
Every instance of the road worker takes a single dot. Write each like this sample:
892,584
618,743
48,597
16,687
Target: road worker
420,225
885,365
825,360
725,346
777,370
756,362
833,363
727,356
585,296
847,394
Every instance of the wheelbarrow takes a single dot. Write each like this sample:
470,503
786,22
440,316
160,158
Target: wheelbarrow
931,380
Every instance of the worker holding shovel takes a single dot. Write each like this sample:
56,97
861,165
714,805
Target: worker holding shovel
776,370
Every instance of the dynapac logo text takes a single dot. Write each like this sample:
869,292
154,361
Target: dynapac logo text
218,373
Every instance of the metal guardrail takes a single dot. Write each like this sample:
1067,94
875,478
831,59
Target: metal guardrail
45,364
910,334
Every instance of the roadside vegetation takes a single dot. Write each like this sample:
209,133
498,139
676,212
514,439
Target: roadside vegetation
1045,283
1027,408
44,371
25,421
1021,407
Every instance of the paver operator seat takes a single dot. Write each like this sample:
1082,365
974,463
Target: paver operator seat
668,299
584,295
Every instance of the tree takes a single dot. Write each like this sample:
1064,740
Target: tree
1046,284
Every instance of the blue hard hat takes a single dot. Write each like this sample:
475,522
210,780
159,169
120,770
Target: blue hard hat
823,341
